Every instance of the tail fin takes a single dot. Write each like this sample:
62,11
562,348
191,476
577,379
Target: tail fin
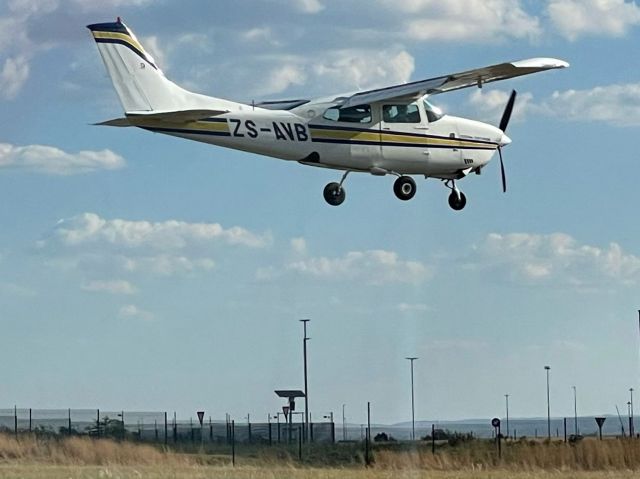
139,82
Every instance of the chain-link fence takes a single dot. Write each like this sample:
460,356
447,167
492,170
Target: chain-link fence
157,427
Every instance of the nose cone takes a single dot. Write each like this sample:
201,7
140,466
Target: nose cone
505,140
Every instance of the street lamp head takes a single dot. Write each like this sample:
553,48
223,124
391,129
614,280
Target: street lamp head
412,359
547,368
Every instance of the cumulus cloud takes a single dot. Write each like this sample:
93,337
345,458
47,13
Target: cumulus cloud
131,311
555,259
575,18
614,104
308,6
113,287
90,228
374,267
13,76
343,70
161,248
54,161
465,20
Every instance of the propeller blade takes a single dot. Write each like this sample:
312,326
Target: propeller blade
506,116
504,175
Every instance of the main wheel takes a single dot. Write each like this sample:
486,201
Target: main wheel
404,188
457,203
334,194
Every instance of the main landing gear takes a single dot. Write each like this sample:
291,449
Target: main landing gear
334,193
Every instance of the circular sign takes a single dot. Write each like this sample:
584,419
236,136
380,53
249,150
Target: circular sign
495,422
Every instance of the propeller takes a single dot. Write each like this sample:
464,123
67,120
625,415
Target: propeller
504,122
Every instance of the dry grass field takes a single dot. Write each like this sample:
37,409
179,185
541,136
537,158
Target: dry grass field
31,458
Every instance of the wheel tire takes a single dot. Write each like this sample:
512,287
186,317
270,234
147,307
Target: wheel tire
404,188
455,203
334,194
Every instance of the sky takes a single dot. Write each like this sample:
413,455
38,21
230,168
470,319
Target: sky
144,272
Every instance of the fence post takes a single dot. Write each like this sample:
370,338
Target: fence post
270,436
193,437
565,429
233,443
210,430
30,419
433,439
249,431
156,425
69,430
98,422
165,428
175,428
333,432
15,420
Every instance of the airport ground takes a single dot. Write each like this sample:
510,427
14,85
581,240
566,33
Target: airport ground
80,457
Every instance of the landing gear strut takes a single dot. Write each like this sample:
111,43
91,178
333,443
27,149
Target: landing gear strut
404,188
334,193
457,199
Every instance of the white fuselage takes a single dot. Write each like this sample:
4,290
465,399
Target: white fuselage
447,147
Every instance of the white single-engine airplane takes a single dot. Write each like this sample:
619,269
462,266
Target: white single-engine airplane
387,131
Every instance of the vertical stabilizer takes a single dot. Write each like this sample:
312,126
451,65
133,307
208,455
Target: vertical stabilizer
139,82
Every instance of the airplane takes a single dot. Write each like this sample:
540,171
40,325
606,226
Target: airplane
393,131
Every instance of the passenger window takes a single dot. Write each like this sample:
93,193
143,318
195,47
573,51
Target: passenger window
354,114
401,113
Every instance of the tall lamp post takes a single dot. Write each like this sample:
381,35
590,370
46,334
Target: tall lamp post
306,391
548,368
344,429
506,397
575,411
632,426
413,410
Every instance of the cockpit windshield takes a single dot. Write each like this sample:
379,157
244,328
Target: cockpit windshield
433,112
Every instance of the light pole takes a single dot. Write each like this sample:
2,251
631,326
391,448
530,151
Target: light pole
575,411
548,368
344,430
306,390
506,396
632,426
413,410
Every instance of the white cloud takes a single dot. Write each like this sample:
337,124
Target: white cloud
555,258
131,311
112,287
614,104
90,228
117,246
167,265
54,161
308,6
13,76
412,308
490,104
575,18
373,267
299,245
466,20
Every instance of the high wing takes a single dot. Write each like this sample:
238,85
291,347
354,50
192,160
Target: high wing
477,77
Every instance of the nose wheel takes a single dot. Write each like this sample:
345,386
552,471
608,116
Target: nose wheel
334,193
404,188
457,199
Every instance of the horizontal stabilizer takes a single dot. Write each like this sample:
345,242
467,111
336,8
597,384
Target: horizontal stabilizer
180,116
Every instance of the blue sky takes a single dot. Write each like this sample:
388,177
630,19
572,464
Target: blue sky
146,272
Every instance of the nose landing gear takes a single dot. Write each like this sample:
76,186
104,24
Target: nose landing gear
457,199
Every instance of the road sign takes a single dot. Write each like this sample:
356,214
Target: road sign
600,421
495,422
285,410
200,416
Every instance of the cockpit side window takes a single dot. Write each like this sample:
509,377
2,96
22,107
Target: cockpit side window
353,114
433,112
401,113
